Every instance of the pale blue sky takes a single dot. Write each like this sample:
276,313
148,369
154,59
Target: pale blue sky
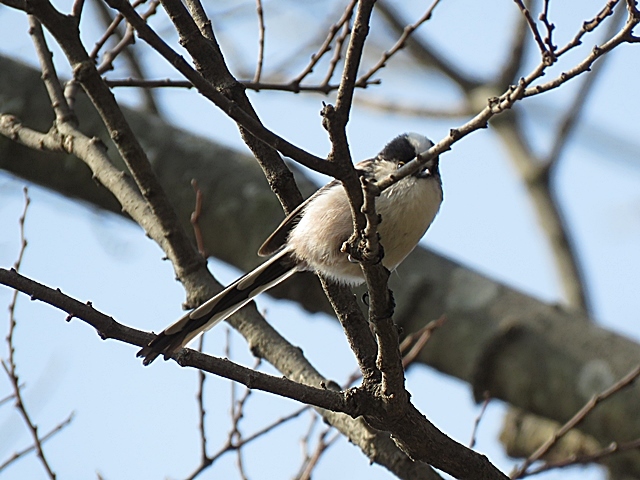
135,422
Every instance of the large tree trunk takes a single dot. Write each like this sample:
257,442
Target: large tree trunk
536,356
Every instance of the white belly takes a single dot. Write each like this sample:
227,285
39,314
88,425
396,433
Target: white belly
407,209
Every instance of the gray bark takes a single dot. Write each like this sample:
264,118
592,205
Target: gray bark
536,356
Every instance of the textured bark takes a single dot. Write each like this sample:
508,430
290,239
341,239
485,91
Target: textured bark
536,356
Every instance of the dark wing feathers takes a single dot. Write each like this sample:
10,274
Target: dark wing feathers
280,235
218,307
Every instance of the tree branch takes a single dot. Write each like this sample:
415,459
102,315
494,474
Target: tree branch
187,263
420,439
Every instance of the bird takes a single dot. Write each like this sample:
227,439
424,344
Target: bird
310,238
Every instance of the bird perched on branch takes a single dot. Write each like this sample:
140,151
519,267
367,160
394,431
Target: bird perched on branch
311,238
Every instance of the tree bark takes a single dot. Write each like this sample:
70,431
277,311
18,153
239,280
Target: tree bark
539,357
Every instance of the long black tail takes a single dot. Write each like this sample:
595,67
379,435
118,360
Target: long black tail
275,270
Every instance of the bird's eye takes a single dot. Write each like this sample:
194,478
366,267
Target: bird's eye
401,164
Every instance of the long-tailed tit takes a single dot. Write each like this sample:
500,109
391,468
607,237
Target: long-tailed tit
311,238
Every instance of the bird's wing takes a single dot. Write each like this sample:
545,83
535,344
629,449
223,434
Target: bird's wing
280,235
218,308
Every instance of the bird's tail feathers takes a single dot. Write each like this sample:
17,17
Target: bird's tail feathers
275,270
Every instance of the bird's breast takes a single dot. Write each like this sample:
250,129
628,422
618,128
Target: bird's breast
407,209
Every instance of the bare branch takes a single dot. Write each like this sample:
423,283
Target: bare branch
573,113
512,66
282,87
419,340
623,383
589,26
201,410
544,18
326,45
476,423
423,52
623,36
10,365
321,447
108,328
173,239
227,106
412,432
337,52
49,75
548,55
18,455
599,456
399,45
261,38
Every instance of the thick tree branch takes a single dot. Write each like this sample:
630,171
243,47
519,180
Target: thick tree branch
187,263
415,435
209,91
108,328
426,285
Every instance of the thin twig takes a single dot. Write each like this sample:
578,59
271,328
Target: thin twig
589,26
9,365
210,92
326,45
195,218
547,55
544,18
410,347
305,441
128,38
624,382
111,29
321,447
625,35
261,38
230,446
43,439
512,66
201,410
125,40
399,45
9,397
608,451
49,75
476,423
337,51
282,87
573,113
419,340
424,53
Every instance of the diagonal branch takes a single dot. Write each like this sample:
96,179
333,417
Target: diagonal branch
620,385
425,53
108,328
399,45
412,432
9,365
210,92
18,455
186,261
